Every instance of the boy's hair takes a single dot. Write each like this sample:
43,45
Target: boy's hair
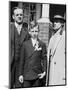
33,24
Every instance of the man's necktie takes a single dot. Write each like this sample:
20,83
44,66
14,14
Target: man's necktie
19,29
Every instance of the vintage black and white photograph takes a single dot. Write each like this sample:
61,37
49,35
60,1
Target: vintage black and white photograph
37,44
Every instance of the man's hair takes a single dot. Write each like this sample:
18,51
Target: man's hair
14,8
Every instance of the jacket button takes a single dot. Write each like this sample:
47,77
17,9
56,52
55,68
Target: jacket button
63,78
54,62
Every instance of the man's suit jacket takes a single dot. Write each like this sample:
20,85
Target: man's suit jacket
13,34
16,42
32,62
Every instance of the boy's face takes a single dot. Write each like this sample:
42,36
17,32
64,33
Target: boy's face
34,32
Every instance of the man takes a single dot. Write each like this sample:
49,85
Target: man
18,36
33,63
56,53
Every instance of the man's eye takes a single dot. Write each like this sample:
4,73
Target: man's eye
19,14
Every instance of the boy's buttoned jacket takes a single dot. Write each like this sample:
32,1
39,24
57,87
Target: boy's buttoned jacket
33,62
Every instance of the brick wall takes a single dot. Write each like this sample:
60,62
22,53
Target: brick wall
44,32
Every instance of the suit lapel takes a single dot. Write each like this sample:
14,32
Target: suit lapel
56,44
40,44
30,48
15,29
23,35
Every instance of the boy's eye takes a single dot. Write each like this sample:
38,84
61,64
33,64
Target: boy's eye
36,31
32,31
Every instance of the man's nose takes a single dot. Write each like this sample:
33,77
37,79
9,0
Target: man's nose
19,15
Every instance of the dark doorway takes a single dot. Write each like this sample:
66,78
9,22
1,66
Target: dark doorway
57,9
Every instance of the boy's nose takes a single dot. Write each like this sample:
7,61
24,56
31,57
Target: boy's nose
34,32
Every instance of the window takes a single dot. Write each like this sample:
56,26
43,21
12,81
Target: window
32,11
29,12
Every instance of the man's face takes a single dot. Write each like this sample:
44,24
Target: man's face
34,32
18,15
57,25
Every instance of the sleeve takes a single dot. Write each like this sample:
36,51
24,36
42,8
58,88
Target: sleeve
49,49
44,57
48,61
11,45
22,60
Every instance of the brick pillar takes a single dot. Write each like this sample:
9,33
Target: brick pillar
44,24
45,10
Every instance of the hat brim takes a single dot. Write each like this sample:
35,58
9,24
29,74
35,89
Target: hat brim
57,19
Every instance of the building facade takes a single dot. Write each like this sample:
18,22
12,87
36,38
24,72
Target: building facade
40,12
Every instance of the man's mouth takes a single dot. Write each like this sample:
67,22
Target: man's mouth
19,18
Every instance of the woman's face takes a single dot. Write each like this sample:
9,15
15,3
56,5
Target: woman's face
57,25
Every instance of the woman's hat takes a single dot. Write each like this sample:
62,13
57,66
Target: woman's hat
58,18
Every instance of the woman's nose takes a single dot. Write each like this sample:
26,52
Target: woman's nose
54,23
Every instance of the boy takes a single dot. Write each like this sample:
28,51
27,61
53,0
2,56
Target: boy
33,59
